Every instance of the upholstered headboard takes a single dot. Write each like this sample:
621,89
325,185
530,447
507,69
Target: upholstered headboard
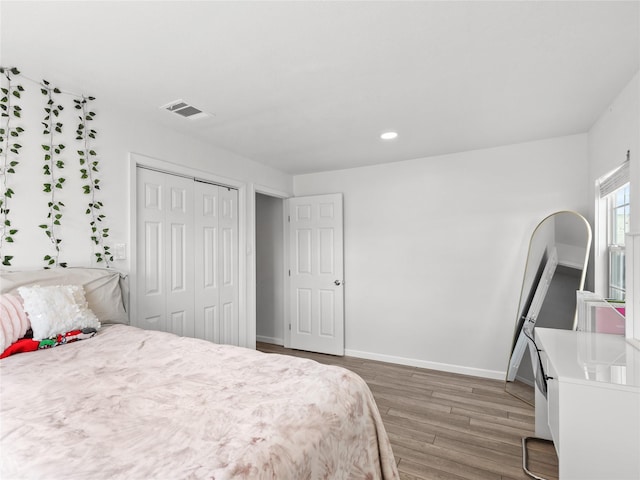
106,290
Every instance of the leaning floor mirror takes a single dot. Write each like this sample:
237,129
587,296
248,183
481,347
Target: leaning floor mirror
555,269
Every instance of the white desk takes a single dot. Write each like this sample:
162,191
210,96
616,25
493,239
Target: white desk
592,410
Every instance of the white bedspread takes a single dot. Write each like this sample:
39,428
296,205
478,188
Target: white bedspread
138,404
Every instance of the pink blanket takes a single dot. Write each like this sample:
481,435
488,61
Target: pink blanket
138,404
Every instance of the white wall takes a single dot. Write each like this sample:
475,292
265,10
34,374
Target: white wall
269,269
118,134
435,248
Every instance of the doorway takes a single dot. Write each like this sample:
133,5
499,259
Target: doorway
270,270
299,272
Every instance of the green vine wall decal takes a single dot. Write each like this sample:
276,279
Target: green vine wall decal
54,181
9,154
87,157
53,168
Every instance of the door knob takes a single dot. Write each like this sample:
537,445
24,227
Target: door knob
337,282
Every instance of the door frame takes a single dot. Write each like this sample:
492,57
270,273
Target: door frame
284,196
246,331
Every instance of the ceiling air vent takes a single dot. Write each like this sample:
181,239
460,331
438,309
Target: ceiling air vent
182,108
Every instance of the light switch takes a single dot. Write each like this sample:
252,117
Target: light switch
120,251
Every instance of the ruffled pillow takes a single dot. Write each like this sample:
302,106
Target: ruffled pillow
14,323
58,309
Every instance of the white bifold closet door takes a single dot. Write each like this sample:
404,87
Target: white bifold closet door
187,267
216,259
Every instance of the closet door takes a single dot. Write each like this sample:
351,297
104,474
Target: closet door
179,256
216,259
165,266
229,265
207,305
187,268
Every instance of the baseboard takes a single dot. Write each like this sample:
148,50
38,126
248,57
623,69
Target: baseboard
444,367
271,340
411,362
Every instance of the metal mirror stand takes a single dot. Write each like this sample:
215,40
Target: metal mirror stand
556,268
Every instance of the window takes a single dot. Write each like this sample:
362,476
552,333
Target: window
618,226
612,223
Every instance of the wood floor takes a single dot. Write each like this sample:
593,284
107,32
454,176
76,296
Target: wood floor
446,426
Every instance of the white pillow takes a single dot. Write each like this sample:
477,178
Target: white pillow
57,310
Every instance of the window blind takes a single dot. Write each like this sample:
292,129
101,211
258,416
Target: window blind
615,179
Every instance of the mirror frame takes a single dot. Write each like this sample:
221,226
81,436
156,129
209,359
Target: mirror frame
583,276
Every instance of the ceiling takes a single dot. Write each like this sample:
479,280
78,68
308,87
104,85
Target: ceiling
309,86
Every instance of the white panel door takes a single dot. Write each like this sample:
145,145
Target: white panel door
228,257
187,243
151,283
316,309
179,256
216,259
207,289
165,261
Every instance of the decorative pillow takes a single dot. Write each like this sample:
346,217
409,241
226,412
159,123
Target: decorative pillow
13,321
58,309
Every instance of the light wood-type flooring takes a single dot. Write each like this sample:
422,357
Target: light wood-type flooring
447,426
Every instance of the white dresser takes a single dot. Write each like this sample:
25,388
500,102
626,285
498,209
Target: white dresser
592,409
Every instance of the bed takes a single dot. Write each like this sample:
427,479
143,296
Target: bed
140,404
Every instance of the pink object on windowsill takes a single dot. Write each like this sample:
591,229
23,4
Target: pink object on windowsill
610,320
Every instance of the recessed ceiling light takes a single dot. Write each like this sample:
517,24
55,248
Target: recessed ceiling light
389,135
